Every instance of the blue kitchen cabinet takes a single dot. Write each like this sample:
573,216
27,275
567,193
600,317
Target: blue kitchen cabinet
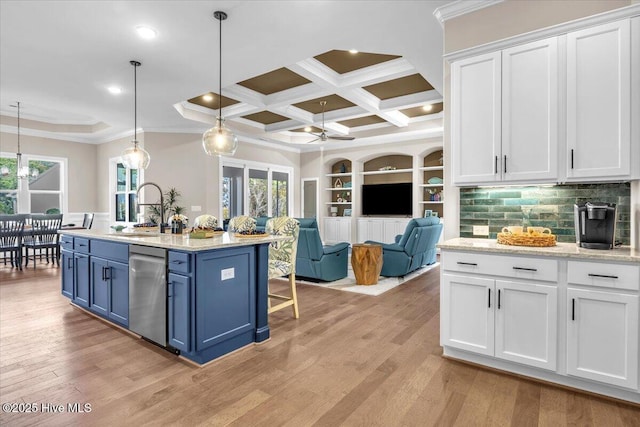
119,292
81,279
66,258
99,286
179,302
110,289
226,301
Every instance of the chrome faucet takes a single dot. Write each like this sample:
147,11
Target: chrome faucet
161,204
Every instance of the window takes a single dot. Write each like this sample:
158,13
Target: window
41,192
258,193
124,187
279,193
255,190
232,190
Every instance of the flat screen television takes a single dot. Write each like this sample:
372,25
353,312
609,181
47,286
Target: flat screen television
387,199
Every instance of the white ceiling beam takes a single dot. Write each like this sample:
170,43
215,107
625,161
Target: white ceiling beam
389,70
283,126
411,100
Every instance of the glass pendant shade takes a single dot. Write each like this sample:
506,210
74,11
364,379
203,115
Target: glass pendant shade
219,140
135,157
21,170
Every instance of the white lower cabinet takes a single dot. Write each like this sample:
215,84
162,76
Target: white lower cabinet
336,230
526,323
382,230
602,336
467,313
561,319
506,319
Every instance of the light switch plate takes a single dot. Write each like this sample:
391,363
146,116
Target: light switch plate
196,208
480,230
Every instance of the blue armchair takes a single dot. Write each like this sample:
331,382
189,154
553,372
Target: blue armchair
413,249
327,263
261,222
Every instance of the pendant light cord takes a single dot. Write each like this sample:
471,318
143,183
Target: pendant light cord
135,104
18,102
220,75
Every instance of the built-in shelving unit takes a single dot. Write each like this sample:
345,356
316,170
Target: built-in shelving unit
339,187
432,193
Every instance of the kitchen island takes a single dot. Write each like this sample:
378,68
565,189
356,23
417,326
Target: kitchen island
216,288
561,314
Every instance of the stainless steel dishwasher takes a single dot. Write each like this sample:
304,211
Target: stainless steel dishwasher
148,293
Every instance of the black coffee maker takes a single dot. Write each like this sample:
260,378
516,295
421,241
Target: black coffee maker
595,225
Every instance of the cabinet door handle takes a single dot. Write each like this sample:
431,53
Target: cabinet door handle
573,309
104,274
107,273
498,299
525,268
177,262
495,167
572,158
505,163
489,297
170,290
603,275
69,262
468,263
81,244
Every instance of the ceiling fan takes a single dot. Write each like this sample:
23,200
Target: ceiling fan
322,136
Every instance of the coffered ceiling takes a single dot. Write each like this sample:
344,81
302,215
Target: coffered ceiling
280,59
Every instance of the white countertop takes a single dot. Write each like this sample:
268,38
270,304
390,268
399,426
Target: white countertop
173,241
561,250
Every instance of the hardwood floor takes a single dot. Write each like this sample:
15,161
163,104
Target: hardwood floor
350,359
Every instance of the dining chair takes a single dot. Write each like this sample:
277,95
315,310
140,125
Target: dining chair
87,222
43,235
11,232
282,260
242,223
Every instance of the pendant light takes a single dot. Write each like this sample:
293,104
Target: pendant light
135,157
22,171
219,140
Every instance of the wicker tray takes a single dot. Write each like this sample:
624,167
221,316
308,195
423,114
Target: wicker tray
202,234
246,236
527,239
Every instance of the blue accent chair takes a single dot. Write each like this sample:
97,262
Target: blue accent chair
261,222
413,249
326,263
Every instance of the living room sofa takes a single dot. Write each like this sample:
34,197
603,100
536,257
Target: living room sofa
413,249
315,261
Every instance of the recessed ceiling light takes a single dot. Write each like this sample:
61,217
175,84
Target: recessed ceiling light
146,32
354,51
115,90
427,107
207,97
307,129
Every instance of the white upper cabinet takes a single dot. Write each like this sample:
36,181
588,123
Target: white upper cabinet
505,115
553,110
530,112
599,102
476,118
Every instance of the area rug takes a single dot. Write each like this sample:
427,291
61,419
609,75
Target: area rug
384,283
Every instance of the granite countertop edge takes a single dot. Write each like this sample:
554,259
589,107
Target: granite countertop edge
561,250
179,242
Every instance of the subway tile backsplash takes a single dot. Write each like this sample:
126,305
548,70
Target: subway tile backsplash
550,207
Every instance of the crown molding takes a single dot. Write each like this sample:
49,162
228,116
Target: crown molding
459,8
543,33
